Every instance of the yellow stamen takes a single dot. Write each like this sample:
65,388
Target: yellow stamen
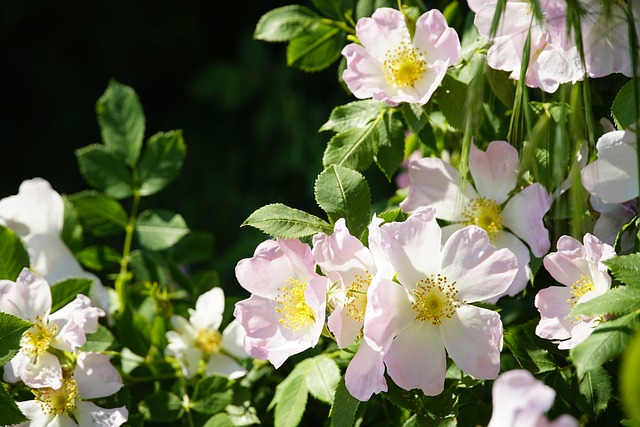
37,339
296,313
208,341
485,213
581,287
404,65
435,299
356,302
58,402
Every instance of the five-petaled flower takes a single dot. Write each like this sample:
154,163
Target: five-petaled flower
393,66
577,266
30,298
67,405
507,218
286,312
198,338
426,308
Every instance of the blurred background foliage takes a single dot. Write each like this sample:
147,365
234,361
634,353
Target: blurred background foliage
250,122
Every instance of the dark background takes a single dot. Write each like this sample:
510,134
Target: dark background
250,122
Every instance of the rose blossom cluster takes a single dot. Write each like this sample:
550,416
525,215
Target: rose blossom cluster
62,378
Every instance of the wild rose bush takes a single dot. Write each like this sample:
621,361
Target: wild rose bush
498,285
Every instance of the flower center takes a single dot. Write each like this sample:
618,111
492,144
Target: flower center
37,339
404,65
581,287
296,313
58,402
435,299
208,341
357,296
484,213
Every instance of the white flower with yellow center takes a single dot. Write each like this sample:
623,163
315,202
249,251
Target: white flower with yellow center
93,377
30,298
513,220
285,313
197,341
577,266
425,312
391,65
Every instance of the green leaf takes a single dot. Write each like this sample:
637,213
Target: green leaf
616,301
630,380
159,229
316,50
597,390
334,9
162,406
11,330
356,114
414,115
211,395
285,23
353,148
98,257
101,216
100,340
452,100
343,410
502,86
625,268
161,161
292,396
220,420
13,254
195,246
104,171
121,121
279,220
65,291
367,7
10,414
344,193
390,145
435,408
322,376
521,341
623,107
606,342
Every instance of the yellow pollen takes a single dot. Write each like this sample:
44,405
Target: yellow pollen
404,65
582,286
296,313
208,341
356,302
435,299
37,339
485,213
58,402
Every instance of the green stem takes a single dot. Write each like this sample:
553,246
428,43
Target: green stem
338,24
123,275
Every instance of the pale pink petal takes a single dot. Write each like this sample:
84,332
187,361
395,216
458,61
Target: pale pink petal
519,400
187,355
209,309
27,298
435,183
554,306
505,239
434,37
385,30
580,332
523,215
182,326
45,371
365,374
568,263
32,410
416,359
473,339
413,246
96,376
479,270
221,364
36,209
232,340
74,321
494,171
14,366
388,312
613,177
564,420
89,414
344,326
363,74
613,216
